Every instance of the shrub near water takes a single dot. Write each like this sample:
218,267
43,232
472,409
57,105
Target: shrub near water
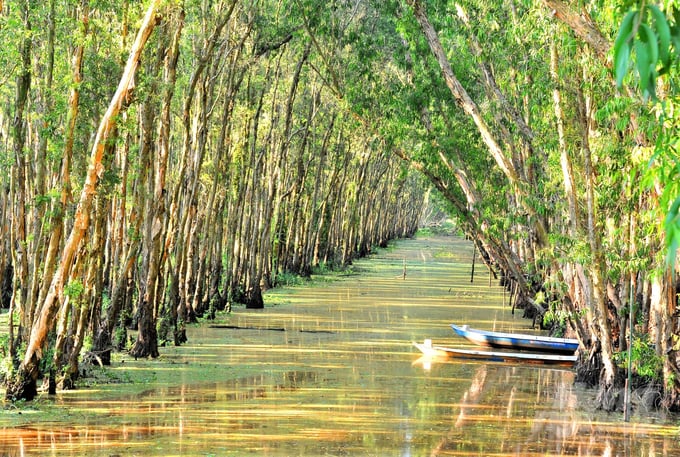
645,363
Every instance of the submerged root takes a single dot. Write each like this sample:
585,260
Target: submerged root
589,369
21,387
646,395
648,398
610,398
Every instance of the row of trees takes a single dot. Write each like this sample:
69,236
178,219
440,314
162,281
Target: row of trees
564,180
224,161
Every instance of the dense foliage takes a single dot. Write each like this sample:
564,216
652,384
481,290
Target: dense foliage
224,161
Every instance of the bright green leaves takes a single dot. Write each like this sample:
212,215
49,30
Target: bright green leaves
656,42
647,53
645,361
653,39
672,228
665,170
622,46
663,33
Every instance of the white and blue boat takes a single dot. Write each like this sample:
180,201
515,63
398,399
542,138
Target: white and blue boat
431,352
517,341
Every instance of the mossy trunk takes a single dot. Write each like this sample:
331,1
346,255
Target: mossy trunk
147,338
23,385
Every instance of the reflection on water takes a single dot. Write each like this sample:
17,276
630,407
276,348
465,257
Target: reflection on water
332,372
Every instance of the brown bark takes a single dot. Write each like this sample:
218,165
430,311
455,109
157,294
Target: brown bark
565,160
90,303
580,290
661,331
501,252
582,25
189,173
126,245
251,231
597,269
223,247
461,95
69,135
40,164
315,225
491,84
152,226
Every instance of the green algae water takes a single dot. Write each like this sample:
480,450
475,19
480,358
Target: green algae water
329,369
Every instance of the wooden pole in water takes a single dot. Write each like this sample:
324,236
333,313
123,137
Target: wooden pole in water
626,408
474,254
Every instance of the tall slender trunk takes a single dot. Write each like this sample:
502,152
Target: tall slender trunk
580,289
59,210
18,189
91,301
146,344
181,197
597,268
40,163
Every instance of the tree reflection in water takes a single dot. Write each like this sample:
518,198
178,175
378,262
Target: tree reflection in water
337,377
527,411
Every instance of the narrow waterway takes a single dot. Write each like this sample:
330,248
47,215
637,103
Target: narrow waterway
329,370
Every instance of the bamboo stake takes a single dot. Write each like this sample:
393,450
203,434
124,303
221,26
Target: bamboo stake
474,254
627,405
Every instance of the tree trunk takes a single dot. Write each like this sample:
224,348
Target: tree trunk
582,25
146,344
40,165
661,331
18,189
597,269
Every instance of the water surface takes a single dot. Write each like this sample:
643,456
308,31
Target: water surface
329,370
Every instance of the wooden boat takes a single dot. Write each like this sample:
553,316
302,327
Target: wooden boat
495,356
517,341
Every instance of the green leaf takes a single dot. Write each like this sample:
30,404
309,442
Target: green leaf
622,47
675,39
643,64
672,228
648,37
663,32
651,85
647,54
625,31
621,59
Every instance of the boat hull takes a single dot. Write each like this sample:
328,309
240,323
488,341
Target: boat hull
516,341
495,356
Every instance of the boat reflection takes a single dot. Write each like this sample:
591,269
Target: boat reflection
331,372
528,411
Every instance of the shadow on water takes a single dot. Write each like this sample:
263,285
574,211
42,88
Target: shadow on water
332,372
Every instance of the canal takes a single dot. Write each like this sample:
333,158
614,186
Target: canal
329,369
